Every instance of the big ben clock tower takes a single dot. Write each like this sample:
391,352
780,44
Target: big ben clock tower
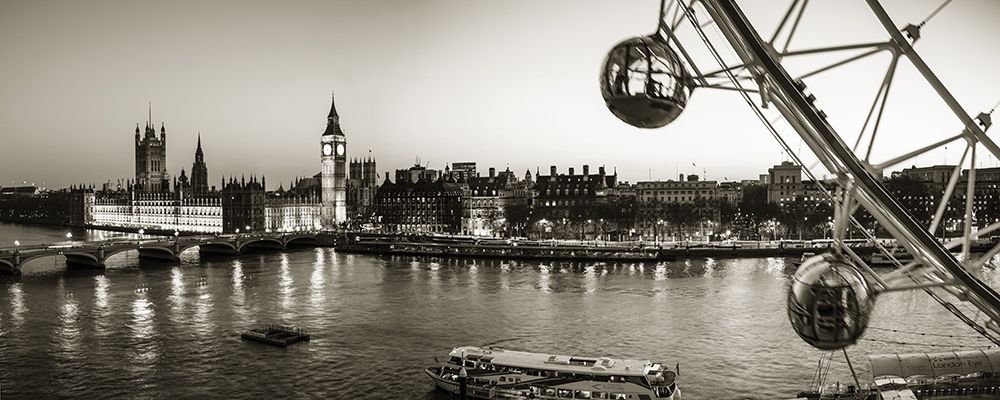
333,152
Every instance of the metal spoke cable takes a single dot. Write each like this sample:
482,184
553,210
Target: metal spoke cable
935,12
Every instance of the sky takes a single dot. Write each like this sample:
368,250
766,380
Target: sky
501,83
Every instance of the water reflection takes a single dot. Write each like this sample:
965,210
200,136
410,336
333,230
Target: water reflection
17,307
203,320
505,276
660,272
102,310
543,278
286,285
709,266
238,300
317,281
68,333
775,266
590,279
143,350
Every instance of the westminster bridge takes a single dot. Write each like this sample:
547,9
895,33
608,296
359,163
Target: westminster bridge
94,254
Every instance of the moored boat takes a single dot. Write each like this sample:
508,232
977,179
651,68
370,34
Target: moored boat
496,373
276,335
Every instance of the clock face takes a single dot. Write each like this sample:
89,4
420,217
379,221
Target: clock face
340,149
327,149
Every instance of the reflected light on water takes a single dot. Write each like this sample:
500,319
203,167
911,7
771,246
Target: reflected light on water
238,276
317,282
775,266
143,350
142,317
709,266
102,310
177,298
17,307
434,276
660,272
69,327
101,284
590,279
505,276
239,296
203,319
543,278
286,284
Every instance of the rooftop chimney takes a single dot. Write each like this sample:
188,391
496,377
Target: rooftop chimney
571,171
493,172
600,170
586,170
552,170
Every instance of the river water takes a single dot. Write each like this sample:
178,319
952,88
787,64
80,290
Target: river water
172,330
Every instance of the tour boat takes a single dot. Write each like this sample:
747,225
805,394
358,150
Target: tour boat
495,373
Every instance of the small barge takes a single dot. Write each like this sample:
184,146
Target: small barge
276,335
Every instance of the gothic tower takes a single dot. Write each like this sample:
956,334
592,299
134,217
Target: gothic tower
333,153
199,171
151,159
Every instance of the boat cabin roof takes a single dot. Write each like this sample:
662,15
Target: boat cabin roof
560,363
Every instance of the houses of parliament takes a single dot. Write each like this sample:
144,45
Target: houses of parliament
154,200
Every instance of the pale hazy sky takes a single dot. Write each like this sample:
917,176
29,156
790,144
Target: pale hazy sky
496,82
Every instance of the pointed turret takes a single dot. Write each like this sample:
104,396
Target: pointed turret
333,120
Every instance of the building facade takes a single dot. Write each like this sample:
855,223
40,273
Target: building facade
165,211
683,191
293,210
563,191
419,207
784,182
485,199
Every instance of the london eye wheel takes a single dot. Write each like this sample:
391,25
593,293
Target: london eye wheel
648,81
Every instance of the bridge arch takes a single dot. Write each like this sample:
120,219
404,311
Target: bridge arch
157,253
219,247
83,258
302,240
262,243
6,266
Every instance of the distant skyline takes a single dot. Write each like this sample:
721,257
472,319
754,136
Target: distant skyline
499,83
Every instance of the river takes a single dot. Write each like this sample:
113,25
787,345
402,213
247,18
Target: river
171,330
